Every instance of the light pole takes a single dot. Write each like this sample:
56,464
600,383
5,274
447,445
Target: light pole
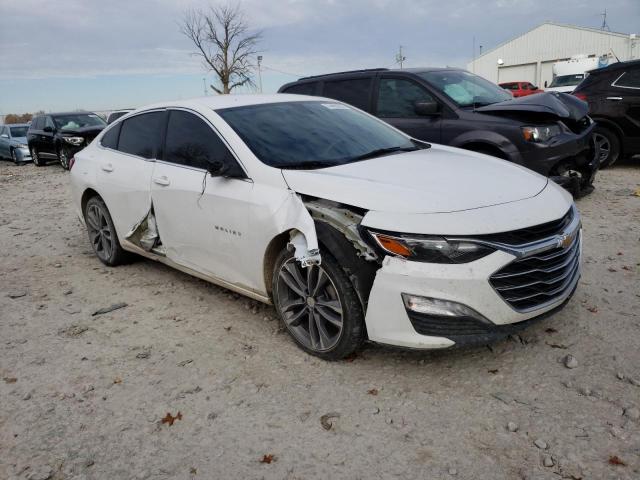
260,72
204,85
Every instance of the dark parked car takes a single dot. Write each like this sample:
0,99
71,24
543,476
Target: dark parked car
548,133
58,136
116,114
613,94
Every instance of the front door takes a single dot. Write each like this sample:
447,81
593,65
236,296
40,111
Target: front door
396,100
46,144
203,220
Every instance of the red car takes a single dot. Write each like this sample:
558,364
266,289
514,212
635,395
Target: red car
521,89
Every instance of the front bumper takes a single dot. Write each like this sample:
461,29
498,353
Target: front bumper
570,160
23,154
389,322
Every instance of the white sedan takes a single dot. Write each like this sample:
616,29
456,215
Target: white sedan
352,229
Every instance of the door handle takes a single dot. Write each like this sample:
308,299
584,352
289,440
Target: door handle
107,167
617,99
163,181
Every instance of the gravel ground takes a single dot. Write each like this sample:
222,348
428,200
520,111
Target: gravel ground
191,381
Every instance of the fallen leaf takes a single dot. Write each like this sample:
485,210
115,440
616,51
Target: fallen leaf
620,253
593,309
373,391
551,330
637,192
193,471
557,345
228,329
611,269
268,458
615,460
111,308
10,379
117,380
624,267
168,418
324,419
493,371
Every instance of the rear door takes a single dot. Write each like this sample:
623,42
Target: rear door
624,99
203,221
395,101
125,164
5,138
355,91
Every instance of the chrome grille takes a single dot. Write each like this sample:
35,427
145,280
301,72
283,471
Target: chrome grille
534,281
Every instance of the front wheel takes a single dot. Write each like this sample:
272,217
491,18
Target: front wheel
13,157
607,144
102,233
318,306
63,157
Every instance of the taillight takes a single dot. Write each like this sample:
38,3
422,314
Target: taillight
581,96
72,162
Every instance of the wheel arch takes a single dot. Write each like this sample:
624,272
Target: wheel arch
481,146
614,127
86,196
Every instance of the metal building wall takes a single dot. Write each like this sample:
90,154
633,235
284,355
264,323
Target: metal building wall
532,54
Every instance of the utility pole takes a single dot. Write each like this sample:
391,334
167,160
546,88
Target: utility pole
204,85
400,58
260,72
604,25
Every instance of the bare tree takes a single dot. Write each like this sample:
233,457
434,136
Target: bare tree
224,42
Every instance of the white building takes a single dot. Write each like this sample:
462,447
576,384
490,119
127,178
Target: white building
530,56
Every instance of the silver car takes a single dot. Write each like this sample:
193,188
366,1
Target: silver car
13,142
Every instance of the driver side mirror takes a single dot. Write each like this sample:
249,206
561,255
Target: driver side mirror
216,168
48,129
4,135
425,108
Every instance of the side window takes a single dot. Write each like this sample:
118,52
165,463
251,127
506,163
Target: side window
191,141
397,98
110,138
302,88
355,92
48,122
139,135
630,79
36,123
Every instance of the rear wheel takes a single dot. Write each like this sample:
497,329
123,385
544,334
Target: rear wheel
102,233
318,306
37,161
608,145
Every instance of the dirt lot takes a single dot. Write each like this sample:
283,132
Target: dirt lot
85,395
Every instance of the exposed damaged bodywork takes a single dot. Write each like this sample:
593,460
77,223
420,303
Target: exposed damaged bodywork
145,234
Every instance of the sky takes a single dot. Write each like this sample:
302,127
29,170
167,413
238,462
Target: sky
103,55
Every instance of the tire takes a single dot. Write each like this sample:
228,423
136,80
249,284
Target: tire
37,161
609,144
13,157
102,233
326,319
63,157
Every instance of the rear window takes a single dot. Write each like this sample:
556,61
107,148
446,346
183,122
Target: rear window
629,79
139,135
355,92
110,138
302,88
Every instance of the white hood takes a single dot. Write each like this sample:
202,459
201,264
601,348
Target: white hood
437,180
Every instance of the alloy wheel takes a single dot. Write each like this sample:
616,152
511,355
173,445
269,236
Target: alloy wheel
64,159
310,306
13,157
100,234
603,144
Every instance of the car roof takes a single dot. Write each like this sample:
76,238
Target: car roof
15,125
376,70
219,102
615,66
60,114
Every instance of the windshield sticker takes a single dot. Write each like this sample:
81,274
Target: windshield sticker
335,106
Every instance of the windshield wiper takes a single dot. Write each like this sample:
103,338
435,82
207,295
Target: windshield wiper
309,165
383,151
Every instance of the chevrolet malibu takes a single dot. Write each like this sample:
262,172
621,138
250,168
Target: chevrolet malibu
349,227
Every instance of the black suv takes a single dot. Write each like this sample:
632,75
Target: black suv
58,136
548,133
613,94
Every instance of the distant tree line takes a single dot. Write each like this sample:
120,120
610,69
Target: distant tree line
19,118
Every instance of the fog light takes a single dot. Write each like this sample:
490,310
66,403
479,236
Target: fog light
439,308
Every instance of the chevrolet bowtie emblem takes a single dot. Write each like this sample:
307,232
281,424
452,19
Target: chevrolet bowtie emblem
565,240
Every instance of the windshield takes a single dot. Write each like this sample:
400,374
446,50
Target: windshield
312,134
567,80
78,120
19,131
466,89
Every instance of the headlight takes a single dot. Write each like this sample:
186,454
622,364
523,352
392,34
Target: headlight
23,145
74,140
431,249
541,134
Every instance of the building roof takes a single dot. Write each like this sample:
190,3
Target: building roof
554,24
